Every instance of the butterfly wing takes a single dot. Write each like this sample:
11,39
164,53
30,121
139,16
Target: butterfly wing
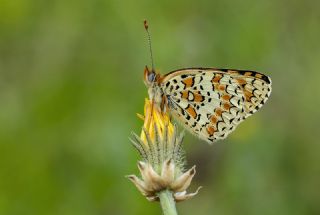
212,102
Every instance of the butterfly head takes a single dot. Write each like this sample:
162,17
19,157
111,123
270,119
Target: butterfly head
151,78
152,81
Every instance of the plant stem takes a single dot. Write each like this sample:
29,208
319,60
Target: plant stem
167,203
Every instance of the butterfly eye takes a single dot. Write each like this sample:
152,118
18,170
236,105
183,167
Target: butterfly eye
151,76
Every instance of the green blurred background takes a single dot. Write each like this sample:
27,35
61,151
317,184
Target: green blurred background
71,85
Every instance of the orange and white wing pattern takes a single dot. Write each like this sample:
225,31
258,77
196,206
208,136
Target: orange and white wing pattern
212,102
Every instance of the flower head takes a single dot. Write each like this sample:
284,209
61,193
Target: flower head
163,162
154,118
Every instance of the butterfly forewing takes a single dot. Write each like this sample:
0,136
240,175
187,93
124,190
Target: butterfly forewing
212,102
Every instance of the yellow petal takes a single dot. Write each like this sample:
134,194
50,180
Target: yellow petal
153,116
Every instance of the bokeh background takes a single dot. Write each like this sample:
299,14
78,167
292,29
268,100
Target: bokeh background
71,85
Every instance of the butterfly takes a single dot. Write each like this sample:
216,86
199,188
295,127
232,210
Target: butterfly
209,102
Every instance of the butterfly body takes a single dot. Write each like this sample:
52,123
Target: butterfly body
209,102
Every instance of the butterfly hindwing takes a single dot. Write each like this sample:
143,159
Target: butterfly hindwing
256,89
212,102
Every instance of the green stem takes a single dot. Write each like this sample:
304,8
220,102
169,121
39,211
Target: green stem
167,202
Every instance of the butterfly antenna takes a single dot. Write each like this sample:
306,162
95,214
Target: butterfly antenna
146,27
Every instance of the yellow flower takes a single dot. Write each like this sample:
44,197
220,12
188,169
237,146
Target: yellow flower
163,162
155,118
